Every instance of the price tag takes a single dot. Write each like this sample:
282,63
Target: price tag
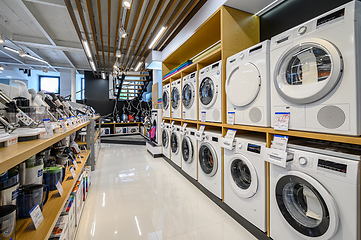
282,120
24,118
231,116
183,129
199,133
43,134
231,134
72,171
63,125
48,128
36,215
184,114
73,120
59,187
279,142
70,122
203,116
229,138
75,164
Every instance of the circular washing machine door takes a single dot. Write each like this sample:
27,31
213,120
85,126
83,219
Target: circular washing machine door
187,150
174,143
175,98
165,100
188,95
243,84
207,92
306,206
308,71
165,138
243,176
208,159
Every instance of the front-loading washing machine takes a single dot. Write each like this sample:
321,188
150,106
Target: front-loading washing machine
245,179
156,122
166,139
210,93
315,73
189,152
247,86
189,96
166,100
316,196
176,99
175,145
210,162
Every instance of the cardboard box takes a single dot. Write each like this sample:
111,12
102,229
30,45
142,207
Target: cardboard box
61,229
69,210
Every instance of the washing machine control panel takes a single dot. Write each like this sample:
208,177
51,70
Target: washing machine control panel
239,145
302,161
302,30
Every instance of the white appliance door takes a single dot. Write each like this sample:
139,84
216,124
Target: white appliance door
174,143
207,92
208,159
188,95
306,206
308,71
165,138
243,84
187,150
175,98
242,176
165,100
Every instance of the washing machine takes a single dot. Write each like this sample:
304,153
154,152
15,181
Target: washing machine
189,152
156,122
175,98
316,196
247,86
210,162
315,73
175,145
166,100
166,140
189,97
245,179
210,93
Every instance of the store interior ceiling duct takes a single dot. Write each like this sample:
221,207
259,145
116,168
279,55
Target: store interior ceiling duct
154,60
269,7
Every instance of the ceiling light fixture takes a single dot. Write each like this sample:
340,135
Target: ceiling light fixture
127,4
137,68
11,49
269,7
118,54
22,53
2,38
116,65
103,75
156,37
45,70
92,65
2,68
122,32
87,49
35,58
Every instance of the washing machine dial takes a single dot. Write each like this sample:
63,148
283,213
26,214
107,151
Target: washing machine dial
303,161
302,30
239,145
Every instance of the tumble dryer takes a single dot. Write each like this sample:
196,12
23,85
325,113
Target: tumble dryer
247,86
166,100
315,73
166,140
175,98
245,179
210,162
210,93
189,97
316,196
175,145
189,152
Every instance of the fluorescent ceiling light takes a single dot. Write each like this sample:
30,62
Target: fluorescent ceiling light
92,65
118,54
269,7
87,49
127,4
103,75
11,49
35,58
2,38
137,68
9,76
156,37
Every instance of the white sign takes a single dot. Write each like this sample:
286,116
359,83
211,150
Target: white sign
184,114
59,187
36,215
199,133
72,172
279,142
70,123
281,121
48,128
24,118
203,116
63,125
183,129
231,116
75,164
228,139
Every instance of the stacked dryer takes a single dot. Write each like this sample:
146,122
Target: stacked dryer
175,98
189,152
166,100
189,96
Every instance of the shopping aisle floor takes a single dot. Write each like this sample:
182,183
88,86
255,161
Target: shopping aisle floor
134,196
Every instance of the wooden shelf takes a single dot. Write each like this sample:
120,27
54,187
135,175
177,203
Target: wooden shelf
210,124
120,123
17,153
189,121
52,209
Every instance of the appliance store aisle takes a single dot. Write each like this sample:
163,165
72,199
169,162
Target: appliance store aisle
134,196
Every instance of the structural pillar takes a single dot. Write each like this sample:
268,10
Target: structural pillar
73,85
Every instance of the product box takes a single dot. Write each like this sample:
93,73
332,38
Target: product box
133,129
78,195
69,210
104,131
88,173
85,185
61,229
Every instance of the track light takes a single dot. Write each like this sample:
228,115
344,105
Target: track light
116,65
2,38
22,53
122,32
118,54
127,4
269,7
92,65
87,49
137,68
103,75
2,68
156,37
45,70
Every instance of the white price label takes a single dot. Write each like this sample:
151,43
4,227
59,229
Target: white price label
70,123
184,114
63,125
24,118
282,120
73,120
203,116
201,129
231,134
48,128
59,187
72,171
75,164
280,142
199,133
231,116
183,128
36,215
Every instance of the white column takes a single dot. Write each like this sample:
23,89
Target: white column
73,85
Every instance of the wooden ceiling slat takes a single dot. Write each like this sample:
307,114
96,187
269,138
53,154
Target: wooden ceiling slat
109,19
117,31
126,24
149,9
101,31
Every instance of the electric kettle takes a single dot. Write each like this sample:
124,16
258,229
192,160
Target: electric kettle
31,195
31,171
7,222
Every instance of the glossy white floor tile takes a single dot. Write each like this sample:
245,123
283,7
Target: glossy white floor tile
134,196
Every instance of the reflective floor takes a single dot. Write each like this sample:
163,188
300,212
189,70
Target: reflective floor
134,196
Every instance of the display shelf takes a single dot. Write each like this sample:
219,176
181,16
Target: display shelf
189,121
210,124
17,153
52,209
166,118
247,128
80,143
